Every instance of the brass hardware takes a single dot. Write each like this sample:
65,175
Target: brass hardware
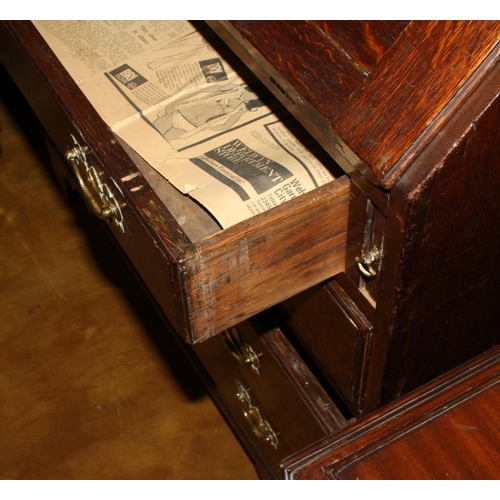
97,194
260,427
366,260
241,350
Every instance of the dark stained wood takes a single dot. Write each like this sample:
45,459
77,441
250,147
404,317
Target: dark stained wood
411,111
418,82
331,323
438,295
416,122
420,77
276,39
264,53
448,429
374,238
283,387
312,393
365,42
359,222
332,57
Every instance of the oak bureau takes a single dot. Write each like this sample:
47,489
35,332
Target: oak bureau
311,316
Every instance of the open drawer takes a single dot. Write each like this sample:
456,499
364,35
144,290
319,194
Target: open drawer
270,390
206,279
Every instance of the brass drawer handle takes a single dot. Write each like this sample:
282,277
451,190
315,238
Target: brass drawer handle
97,194
241,350
366,260
260,427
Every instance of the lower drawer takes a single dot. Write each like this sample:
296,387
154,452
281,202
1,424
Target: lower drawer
333,322
270,389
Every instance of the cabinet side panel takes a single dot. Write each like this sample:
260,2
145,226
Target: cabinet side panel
443,309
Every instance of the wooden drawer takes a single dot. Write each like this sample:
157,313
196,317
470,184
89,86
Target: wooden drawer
333,323
205,278
270,389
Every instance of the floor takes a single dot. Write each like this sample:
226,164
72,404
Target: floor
92,387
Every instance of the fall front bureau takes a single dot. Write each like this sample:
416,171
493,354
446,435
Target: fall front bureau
380,280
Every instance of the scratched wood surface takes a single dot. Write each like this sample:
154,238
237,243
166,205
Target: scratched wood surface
439,288
258,263
323,61
346,80
416,84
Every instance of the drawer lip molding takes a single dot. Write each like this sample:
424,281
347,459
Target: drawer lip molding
434,411
214,281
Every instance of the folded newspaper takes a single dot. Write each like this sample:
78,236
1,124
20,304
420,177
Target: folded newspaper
217,136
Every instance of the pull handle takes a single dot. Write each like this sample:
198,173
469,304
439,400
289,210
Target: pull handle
260,427
366,260
241,350
96,193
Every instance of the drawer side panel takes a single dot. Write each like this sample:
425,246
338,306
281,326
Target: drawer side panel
280,254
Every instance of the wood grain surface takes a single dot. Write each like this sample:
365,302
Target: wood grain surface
345,81
219,277
448,429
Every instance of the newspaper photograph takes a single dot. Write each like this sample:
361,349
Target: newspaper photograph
214,132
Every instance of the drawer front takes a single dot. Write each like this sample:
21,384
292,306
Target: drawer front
210,282
125,227
269,388
331,321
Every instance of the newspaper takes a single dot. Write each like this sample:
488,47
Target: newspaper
216,135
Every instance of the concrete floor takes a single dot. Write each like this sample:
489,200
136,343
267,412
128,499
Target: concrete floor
91,384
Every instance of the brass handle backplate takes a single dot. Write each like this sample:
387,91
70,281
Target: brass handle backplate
98,196
260,427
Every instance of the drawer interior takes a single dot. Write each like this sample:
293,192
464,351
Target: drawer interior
231,274
217,277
